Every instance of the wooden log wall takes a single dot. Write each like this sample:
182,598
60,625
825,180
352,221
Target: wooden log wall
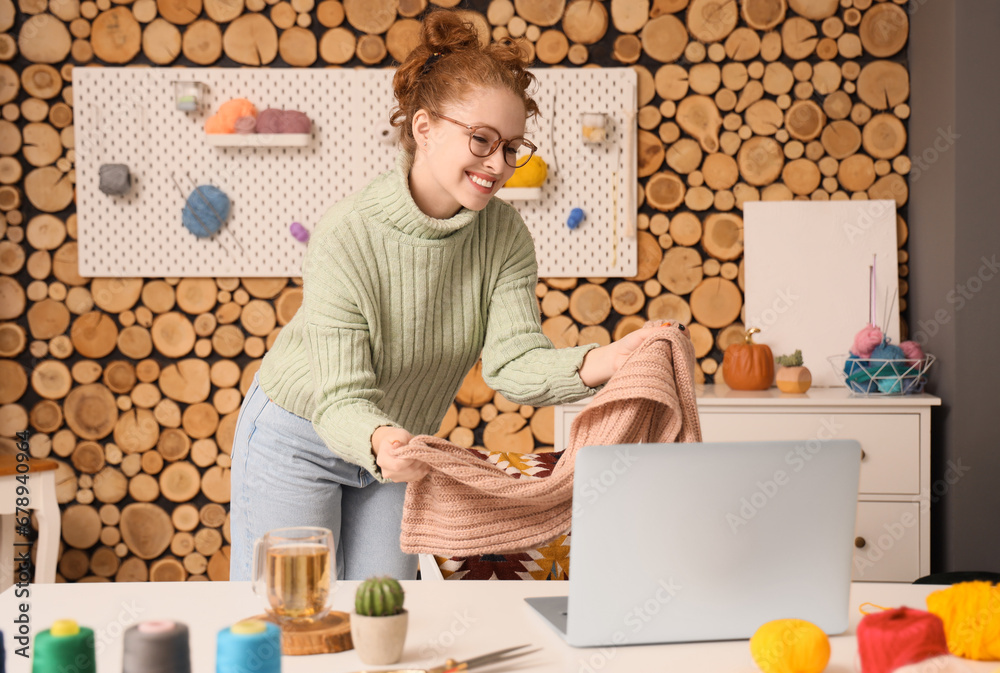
133,385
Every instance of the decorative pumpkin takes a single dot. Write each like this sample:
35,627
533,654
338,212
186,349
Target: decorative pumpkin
791,376
748,366
790,646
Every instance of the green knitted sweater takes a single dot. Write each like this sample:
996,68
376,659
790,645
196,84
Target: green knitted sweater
397,308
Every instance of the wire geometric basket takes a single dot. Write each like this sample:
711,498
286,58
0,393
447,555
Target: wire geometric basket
881,376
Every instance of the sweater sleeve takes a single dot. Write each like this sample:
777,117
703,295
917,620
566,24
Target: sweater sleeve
518,359
336,334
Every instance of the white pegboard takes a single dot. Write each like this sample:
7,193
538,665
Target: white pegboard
127,115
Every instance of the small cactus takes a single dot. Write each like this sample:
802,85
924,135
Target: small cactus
379,597
793,360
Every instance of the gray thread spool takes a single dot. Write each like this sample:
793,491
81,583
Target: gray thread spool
157,647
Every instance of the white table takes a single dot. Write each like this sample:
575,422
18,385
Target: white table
447,619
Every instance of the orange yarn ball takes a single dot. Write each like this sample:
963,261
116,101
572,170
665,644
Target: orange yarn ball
224,121
971,615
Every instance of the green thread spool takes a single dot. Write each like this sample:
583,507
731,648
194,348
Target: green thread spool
66,646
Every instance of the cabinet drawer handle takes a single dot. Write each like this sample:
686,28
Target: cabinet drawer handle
863,454
859,542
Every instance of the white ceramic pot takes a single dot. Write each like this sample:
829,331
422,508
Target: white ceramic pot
379,640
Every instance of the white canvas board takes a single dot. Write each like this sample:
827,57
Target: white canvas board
807,268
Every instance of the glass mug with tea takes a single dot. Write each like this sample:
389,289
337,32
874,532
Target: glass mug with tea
294,572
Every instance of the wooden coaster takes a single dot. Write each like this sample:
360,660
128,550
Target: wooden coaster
323,636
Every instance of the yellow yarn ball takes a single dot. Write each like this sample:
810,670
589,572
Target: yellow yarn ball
790,646
532,174
971,615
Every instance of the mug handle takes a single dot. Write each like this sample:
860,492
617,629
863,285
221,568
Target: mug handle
258,578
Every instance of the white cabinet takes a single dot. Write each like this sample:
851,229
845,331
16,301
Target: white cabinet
892,542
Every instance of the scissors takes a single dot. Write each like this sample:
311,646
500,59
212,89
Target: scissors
452,666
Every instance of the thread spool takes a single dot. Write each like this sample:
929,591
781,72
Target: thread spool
250,646
156,647
66,646
894,638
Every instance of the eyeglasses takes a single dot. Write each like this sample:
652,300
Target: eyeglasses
484,141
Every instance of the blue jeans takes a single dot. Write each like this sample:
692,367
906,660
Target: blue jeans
284,475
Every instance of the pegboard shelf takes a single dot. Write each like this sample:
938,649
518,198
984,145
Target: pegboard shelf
129,116
258,139
520,193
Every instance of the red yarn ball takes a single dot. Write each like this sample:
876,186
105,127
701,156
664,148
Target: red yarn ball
893,638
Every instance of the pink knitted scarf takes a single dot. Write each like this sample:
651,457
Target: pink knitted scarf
467,506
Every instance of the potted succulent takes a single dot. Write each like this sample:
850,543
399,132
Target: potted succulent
791,376
378,625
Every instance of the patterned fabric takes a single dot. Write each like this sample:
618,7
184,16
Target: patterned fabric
548,562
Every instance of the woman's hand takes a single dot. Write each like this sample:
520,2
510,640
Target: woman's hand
386,441
601,363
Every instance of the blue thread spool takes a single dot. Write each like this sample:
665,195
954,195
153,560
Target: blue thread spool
575,218
205,211
156,647
64,647
250,646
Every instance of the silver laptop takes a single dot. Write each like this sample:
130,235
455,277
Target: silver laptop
694,542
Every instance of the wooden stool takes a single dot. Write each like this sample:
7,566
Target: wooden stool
42,499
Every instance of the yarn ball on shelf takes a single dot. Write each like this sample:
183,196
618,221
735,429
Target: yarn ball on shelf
224,121
245,125
269,121
914,353
293,121
866,341
206,210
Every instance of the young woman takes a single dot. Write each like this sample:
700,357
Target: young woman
406,283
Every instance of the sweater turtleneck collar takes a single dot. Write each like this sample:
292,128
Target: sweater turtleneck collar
403,213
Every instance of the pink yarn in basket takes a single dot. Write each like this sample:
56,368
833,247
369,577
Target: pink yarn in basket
866,340
914,353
